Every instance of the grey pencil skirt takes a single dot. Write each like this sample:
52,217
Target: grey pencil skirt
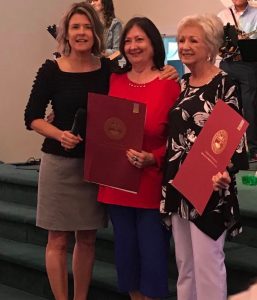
65,201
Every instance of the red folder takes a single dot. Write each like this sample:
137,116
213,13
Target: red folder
210,154
114,125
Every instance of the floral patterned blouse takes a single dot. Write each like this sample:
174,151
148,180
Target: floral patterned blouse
186,119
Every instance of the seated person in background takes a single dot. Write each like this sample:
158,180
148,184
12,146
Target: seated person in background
199,239
244,73
112,25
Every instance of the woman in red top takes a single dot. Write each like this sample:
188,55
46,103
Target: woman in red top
141,241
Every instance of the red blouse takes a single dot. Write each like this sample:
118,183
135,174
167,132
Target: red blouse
159,96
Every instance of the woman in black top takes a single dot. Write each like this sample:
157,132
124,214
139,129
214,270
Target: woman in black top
199,239
66,203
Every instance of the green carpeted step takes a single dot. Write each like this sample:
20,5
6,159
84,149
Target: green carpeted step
249,235
17,222
23,175
18,193
9,293
21,260
18,184
22,266
105,244
24,262
16,212
241,257
241,266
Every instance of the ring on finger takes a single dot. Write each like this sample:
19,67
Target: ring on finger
134,158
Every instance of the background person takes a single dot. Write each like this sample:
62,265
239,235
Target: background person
112,25
244,17
65,202
199,240
141,241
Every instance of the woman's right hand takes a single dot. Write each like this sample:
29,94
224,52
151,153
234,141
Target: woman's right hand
169,72
221,181
69,140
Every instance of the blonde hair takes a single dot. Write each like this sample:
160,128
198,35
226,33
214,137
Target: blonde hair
212,28
86,9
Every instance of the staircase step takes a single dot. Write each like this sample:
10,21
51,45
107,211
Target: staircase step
22,243
17,212
241,257
18,184
9,293
241,266
248,237
17,222
23,175
105,245
22,266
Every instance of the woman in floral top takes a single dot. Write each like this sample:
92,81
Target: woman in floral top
199,240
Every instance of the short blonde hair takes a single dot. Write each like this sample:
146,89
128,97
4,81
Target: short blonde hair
86,9
212,28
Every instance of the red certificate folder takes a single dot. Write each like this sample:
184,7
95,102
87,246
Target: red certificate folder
114,125
210,154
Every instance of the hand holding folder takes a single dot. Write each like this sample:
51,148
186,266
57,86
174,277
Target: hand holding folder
210,154
114,125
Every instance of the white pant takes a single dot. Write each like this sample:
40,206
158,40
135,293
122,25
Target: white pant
200,262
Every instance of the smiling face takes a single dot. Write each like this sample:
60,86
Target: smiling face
138,47
192,46
80,34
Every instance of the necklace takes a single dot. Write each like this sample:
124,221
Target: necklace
137,85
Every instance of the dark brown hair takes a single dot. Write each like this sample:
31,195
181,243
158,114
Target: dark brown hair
152,33
109,13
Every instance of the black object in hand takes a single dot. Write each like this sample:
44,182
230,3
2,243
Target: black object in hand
79,123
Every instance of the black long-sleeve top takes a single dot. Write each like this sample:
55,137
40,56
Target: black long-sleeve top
67,92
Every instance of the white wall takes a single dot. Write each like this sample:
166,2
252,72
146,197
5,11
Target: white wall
165,13
25,44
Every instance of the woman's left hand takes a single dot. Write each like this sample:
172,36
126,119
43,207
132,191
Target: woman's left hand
140,159
169,72
221,181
